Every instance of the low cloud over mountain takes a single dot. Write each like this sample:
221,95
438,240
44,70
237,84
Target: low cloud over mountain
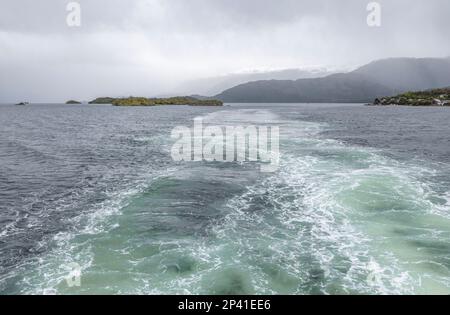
380,78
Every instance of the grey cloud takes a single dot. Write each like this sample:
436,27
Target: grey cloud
149,47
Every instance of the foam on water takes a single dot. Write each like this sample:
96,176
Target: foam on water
335,219
48,274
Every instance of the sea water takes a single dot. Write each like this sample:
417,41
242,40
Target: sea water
360,203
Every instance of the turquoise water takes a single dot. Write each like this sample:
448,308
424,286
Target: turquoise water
336,218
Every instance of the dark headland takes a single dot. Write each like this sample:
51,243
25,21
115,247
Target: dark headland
73,102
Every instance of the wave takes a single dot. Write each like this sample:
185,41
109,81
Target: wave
335,219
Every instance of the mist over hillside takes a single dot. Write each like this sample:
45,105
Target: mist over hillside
409,73
380,78
215,85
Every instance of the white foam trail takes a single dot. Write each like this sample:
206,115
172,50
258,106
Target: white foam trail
325,223
45,276
314,185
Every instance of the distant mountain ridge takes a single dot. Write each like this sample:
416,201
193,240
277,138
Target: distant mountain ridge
380,78
215,85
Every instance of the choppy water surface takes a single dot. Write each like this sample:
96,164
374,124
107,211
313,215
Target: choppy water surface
360,203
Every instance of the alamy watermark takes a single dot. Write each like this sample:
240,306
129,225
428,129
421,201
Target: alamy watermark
73,279
74,17
228,144
374,17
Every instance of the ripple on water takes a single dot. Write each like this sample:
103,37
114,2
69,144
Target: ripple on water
335,219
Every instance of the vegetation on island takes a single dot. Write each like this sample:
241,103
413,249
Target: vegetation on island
436,97
102,100
73,102
143,101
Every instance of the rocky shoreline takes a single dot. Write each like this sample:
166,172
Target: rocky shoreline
436,97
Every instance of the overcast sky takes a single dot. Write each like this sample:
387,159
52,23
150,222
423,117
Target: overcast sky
149,47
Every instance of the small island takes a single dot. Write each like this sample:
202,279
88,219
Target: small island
102,100
143,101
436,97
73,102
22,103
